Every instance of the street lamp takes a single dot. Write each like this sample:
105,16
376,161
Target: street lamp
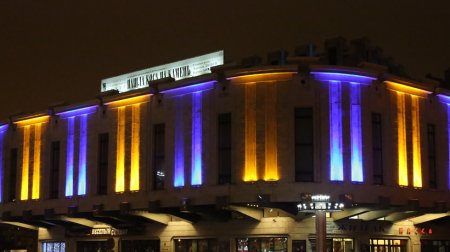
320,204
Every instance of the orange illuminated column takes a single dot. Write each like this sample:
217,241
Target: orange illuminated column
32,185
135,138
250,171
271,167
120,159
417,166
401,135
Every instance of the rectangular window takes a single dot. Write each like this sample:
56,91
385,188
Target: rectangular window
54,170
53,247
377,150
102,176
304,145
13,175
251,244
224,148
431,132
200,245
159,158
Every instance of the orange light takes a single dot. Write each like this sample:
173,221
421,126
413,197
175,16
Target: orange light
120,160
31,121
36,162
135,137
406,89
250,170
417,165
401,135
129,101
25,163
264,77
271,164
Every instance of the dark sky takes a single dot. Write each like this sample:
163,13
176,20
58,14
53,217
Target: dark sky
60,50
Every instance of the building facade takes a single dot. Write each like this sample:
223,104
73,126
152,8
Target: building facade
225,161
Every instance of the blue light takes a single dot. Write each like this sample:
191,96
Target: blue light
179,145
448,133
3,129
196,178
190,89
336,159
69,156
355,133
344,77
77,112
82,156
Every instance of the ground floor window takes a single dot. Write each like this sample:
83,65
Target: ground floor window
201,245
54,246
139,245
387,245
262,244
335,244
92,246
434,246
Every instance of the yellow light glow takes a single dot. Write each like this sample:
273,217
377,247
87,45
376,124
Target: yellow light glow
34,120
406,89
129,101
120,161
36,162
135,132
417,165
401,129
25,162
250,171
264,77
271,166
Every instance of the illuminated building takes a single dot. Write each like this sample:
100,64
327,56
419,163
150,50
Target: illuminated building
228,161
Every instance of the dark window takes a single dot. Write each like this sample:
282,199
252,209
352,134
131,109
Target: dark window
224,148
431,132
139,245
54,170
377,149
102,176
13,175
159,158
304,145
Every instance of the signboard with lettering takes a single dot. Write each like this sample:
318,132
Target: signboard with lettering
178,70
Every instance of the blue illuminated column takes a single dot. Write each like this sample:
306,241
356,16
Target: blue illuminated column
355,133
336,159
448,133
69,156
179,145
81,148
196,178
82,156
2,137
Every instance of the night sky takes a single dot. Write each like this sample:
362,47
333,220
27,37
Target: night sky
59,51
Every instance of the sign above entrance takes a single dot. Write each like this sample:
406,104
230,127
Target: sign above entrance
182,69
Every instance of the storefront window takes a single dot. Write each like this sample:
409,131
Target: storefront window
263,244
434,246
140,245
201,245
342,245
53,247
385,245
92,246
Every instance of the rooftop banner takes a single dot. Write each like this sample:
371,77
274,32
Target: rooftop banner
182,69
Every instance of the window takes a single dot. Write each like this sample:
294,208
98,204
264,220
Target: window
54,170
385,245
377,149
431,133
224,148
278,244
304,145
139,245
53,247
159,158
102,176
200,245
13,175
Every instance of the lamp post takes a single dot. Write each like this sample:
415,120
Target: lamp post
320,204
